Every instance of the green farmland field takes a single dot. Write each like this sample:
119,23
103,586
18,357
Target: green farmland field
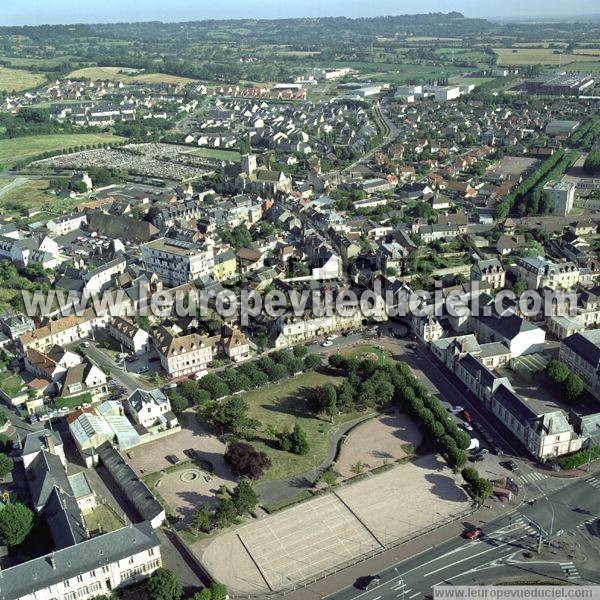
15,149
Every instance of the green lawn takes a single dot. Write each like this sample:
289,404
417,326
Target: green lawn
366,349
17,79
282,405
16,149
102,518
73,402
34,195
11,384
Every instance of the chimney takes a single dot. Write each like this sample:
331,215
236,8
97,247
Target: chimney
49,439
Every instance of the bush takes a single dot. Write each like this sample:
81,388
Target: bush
178,402
294,441
577,459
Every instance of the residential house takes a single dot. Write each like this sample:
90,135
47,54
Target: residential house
151,408
130,335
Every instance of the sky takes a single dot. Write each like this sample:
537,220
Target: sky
35,12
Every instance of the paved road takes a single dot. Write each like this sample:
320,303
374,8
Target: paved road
389,138
499,553
118,373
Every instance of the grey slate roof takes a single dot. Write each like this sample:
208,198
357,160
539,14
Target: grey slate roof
35,441
586,345
136,491
514,405
44,474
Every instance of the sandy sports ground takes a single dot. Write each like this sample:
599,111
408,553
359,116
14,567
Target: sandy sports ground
376,442
301,542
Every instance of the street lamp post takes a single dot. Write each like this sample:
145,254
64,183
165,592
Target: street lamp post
591,446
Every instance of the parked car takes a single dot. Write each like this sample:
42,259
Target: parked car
465,426
455,409
332,337
511,465
327,343
193,454
85,344
33,418
473,534
144,369
173,459
477,458
466,415
170,386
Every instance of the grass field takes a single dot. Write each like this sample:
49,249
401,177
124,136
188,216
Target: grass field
16,149
282,405
538,56
34,195
469,80
39,63
16,79
123,74
232,155
590,51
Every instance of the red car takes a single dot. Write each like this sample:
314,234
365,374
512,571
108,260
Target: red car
467,416
473,534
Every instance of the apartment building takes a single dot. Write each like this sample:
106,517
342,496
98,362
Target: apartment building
537,272
176,262
291,330
184,354
490,271
581,353
562,194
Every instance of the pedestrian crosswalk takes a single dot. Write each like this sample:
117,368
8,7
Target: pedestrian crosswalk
524,523
594,482
570,570
532,477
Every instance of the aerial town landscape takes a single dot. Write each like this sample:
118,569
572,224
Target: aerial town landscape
299,307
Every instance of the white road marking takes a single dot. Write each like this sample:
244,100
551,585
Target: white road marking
473,556
414,595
